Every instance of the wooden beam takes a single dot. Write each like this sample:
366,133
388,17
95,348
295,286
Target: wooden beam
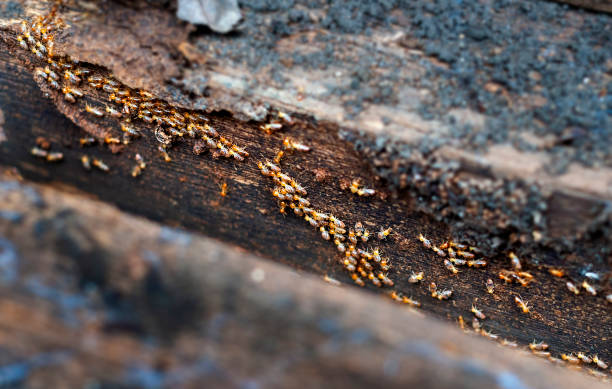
99,296
185,192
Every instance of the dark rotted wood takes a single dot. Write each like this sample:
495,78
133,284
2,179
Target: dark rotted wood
185,192
149,48
90,295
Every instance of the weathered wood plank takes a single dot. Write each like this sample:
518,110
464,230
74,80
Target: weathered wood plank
97,296
186,192
400,101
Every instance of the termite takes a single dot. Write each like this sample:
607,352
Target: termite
290,144
285,117
589,288
601,364
521,304
331,280
68,75
85,161
383,233
509,343
425,241
352,236
556,272
55,157
395,296
383,277
458,246
450,266
375,280
572,288
113,112
87,141
223,188
477,263
22,42
478,313
38,152
357,280
410,301
365,236
366,192
476,325
415,277
488,334
110,140
93,111
515,261
324,233
438,251
269,128
543,354
100,165
539,346
461,322
583,357
453,258
279,156
465,254
570,358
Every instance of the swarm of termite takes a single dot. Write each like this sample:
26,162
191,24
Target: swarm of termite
455,254
362,265
167,123
516,274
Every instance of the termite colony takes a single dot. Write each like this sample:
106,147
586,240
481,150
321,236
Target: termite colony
539,349
586,284
455,254
167,123
516,274
362,265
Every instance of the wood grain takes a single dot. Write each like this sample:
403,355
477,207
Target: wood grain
185,193
165,307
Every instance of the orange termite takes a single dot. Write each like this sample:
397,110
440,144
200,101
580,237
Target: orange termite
224,190
522,304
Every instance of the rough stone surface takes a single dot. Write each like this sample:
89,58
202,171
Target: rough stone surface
220,15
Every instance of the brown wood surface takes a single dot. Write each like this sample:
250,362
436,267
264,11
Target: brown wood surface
101,297
187,75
